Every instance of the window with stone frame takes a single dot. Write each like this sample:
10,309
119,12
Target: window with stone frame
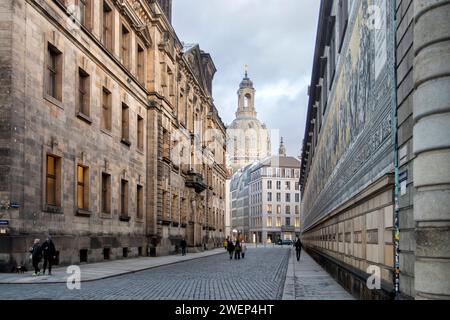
278,185
343,21
107,25
54,72
297,209
106,119
269,222
140,133
124,198
82,187
84,93
140,60
332,52
106,193
278,222
288,209
125,124
86,13
288,221
139,201
269,209
125,45
53,181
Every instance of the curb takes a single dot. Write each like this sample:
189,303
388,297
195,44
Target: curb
110,276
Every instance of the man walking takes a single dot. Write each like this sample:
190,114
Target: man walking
230,249
298,248
183,245
49,251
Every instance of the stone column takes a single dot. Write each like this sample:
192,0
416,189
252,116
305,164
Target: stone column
431,138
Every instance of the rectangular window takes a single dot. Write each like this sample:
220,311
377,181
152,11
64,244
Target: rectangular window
83,92
140,133
140,63
269,222
54,72
140,202
85,13
288,209
288,197
125,124
297,222
278,185
106,193
297,210
288,222
269,196
125,46
106,110
278,222
107,26
288,185
297,186
278,209
332,59
82,187
269,185
124,198
343,21
297,197
53,181
269,208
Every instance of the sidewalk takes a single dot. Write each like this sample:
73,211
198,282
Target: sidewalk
103,270
306,280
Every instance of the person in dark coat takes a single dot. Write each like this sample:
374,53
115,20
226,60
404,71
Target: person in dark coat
237,250
36,256
230,249
49,251
298,248
183,245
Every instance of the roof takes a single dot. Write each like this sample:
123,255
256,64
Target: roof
278,162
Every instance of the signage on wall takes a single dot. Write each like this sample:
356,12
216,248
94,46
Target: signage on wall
4,222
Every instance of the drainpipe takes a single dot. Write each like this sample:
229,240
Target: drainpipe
396,161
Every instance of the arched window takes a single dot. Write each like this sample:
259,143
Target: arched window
247,99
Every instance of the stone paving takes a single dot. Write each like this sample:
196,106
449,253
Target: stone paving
306,280
260,276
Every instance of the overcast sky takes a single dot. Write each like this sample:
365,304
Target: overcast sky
274,37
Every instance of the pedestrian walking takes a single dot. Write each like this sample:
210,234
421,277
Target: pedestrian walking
237,250
183,245
298,248
225,243
230,249
49,252
36,256
243,249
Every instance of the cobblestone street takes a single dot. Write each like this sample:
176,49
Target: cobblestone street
261,275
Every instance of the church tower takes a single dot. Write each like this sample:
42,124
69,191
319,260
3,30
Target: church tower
246,98
282,149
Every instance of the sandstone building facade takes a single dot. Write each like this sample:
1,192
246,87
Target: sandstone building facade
375,175
110,140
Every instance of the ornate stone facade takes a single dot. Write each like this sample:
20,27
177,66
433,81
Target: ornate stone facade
110,139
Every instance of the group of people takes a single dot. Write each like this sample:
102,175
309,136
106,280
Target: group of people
45,250
236,249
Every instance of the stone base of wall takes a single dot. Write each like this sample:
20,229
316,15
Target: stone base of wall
351,279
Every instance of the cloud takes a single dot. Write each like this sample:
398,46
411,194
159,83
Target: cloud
275,38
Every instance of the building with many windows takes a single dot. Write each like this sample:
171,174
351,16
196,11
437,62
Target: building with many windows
111,142
265,199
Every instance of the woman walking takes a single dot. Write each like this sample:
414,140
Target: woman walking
36,256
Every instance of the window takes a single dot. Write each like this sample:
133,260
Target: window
297,222
140,64
269,222
140,132
124,198
107,26
278,209
288,209
278,197
125,46
82,187
297,186
269,196
85,13
297,210
297,197
125,124
83,92
54,72
343,21
278,185
288,185
288,221
278,222
106,110
332,53
269,208
269,185
288,197
53,181
106,193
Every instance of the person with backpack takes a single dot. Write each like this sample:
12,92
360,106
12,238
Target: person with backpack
230,249
49,251
36,256
237,250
